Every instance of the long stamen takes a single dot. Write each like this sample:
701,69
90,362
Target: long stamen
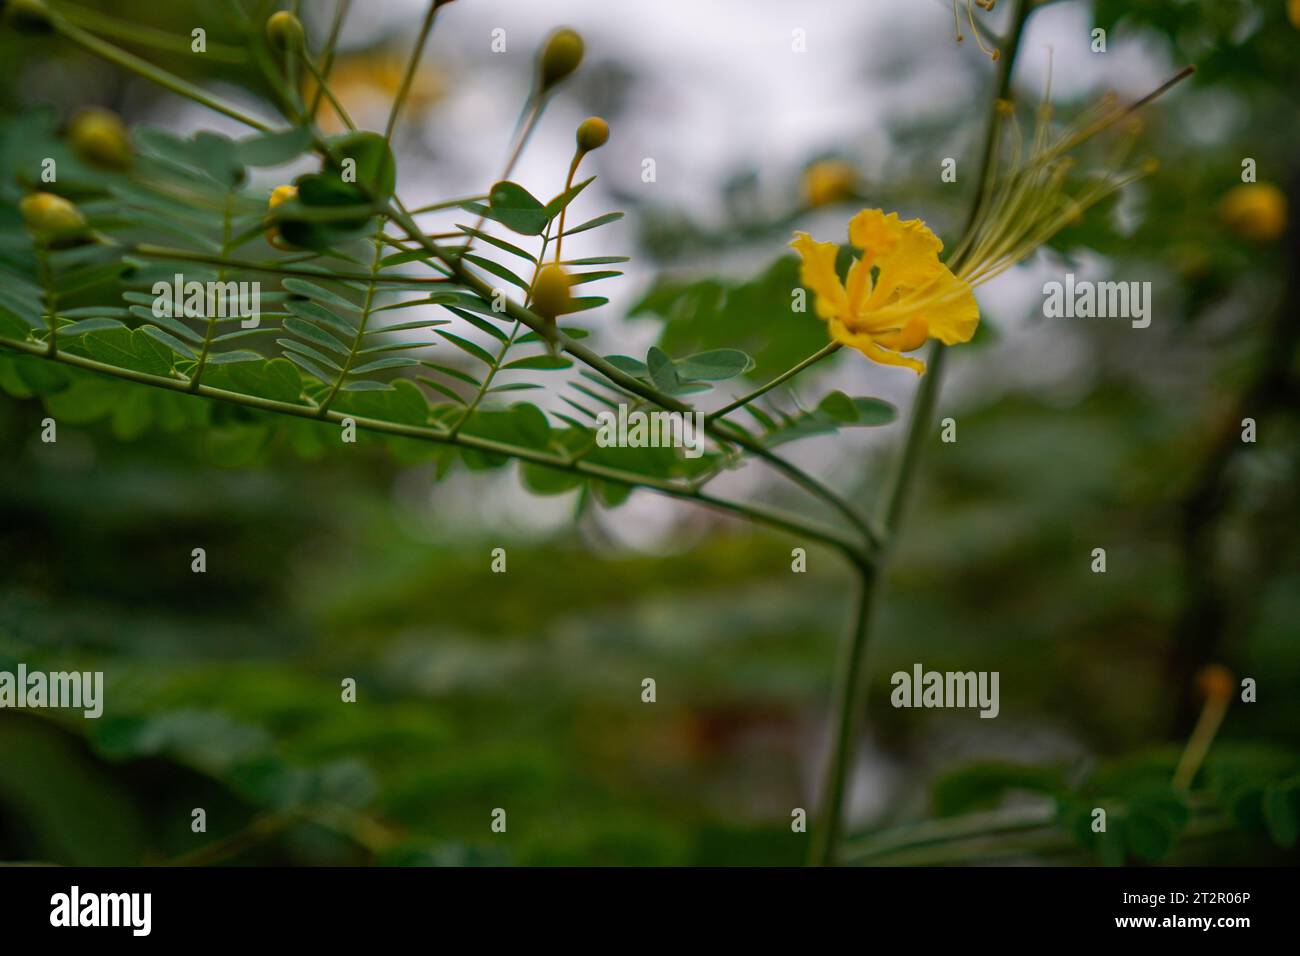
993,53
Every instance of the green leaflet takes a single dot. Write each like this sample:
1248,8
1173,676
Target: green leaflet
130,349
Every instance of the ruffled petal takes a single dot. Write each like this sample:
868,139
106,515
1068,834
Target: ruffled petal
908,257
818,274
954,314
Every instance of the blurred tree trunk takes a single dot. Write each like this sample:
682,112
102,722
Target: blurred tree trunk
1206,619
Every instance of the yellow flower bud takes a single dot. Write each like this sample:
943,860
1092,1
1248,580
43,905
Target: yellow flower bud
593,133
28,16
551,292
828,181
1255,211
1216,682
279,196
49,216
560,56
285,31
99,138
1293,12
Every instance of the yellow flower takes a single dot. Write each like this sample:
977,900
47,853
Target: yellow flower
1293,11
279,196
1255,211
828,181
912,296
366,84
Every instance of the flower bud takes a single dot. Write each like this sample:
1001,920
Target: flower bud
28,16
279,196
285,31
1255,211
1215,682
560,56
1293,12
99,138
593,133
551,292
828,181
49,216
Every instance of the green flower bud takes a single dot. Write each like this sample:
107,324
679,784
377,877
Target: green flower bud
49,216
285,31
99,138
28,16
551,292
560,56
593,133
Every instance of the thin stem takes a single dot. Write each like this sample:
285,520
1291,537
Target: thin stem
327,57
164,252
139,34
794,524
500,357
853,653
412,65
848,671
785,376
533,112
129,61
367,310
212,319
322,88
1198,745
447,204
568,184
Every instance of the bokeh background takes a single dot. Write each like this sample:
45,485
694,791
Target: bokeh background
522,690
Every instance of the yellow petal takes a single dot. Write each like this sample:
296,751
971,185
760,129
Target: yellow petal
859,285
818,274
867,345
907,339
911,262
953,313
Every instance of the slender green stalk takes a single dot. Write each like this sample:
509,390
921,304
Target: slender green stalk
139,34
847,703
447,204
51,300
848,672
367,309
412,65
797,525
212,319
785,376
148,251
133,63
327,56
500,357
323,88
